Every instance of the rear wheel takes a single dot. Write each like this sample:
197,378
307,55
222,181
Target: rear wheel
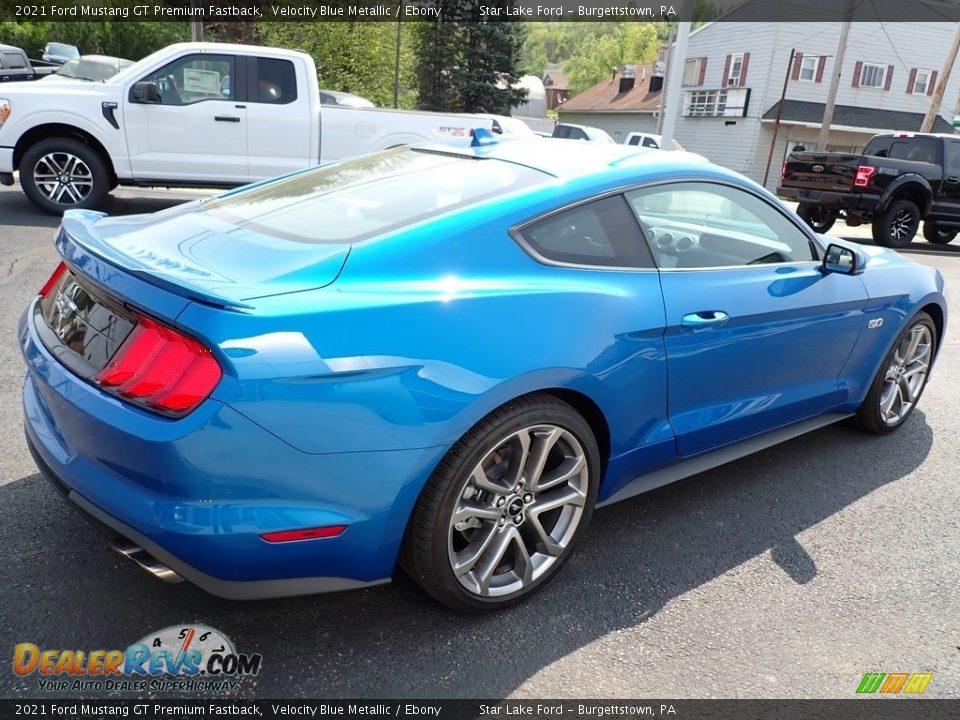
897,225
936,234
817,217
902,377
504,509
59,174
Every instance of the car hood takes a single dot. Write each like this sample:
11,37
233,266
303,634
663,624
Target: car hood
204,257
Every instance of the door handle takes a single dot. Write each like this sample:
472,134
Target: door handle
704,319
226,118
953,179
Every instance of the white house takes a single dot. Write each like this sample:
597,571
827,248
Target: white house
733,76
734,72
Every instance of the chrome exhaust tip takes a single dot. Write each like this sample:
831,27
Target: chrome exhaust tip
146,561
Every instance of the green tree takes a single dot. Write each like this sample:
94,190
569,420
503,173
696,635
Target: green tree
466,63
127,39
353,57
600,56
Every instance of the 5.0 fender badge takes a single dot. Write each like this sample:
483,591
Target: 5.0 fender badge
875,323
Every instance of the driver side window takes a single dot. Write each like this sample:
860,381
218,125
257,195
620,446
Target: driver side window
701,225
195,78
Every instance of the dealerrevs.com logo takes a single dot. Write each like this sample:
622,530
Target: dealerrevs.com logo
190,658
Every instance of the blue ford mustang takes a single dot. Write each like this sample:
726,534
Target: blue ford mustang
443,358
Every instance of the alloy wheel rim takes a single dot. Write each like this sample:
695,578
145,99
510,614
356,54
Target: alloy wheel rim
902,221
518,510
906,375
63,178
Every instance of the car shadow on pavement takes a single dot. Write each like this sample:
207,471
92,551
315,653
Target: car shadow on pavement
61,587
16,210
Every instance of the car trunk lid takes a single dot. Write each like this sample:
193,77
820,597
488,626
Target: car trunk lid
202,257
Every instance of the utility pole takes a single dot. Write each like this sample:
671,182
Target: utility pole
196,26
776,124
937,98
396,64
835,81
672,83
666,66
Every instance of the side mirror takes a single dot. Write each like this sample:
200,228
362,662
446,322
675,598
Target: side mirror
839,259
145,91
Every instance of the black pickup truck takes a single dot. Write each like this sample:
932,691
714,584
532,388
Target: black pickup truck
899,180
15,66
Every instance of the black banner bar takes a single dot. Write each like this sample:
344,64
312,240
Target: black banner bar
479,10
873,708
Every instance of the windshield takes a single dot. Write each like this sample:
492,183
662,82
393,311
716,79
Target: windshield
62,50
86,70
135,68
370,195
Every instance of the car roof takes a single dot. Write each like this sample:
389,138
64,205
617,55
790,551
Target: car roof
568,159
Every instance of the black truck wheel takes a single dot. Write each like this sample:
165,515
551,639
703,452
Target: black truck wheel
936,234
897,225
59,174
817,217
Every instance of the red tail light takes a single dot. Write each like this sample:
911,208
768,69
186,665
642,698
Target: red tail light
307,534
783,172
162,369
865,173
54,279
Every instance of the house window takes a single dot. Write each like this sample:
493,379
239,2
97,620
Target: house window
736,67
691,71
808,67
873,76
706,103
921,83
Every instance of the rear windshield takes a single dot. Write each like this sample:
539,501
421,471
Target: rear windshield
918,149
370,195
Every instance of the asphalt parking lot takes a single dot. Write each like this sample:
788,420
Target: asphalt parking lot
790,573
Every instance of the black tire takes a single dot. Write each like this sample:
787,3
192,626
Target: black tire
90,180
897,225
937,235
817,217
869,417
426,555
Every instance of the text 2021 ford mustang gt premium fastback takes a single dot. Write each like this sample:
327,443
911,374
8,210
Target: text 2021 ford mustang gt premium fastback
442,359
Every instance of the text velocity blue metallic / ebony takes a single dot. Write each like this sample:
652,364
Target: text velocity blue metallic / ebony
441,359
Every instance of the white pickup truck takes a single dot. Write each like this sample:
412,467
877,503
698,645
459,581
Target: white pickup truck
191,115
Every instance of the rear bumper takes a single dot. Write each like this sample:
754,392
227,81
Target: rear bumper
197,493
828,198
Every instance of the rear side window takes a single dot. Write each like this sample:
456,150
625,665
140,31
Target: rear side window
13,61
276,82
601,233
649,142
953,158
370,195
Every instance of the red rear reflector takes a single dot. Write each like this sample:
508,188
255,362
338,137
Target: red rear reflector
864,174
54,279
161,368
307,534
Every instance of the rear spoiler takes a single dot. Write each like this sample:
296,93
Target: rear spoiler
77,228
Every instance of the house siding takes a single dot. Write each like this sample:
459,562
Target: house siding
743,144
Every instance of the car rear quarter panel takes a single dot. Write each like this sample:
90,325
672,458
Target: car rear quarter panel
421,337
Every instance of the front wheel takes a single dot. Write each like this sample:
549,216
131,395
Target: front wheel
504,509
897,225
902,377
935,234
817,217
60,174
